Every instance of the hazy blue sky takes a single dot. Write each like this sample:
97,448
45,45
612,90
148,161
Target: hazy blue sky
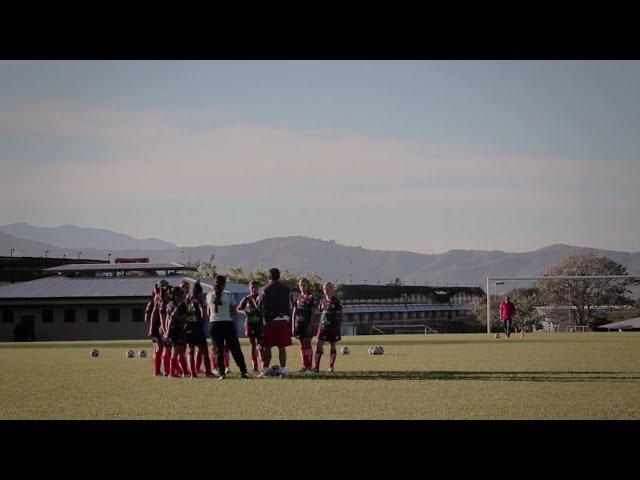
422,156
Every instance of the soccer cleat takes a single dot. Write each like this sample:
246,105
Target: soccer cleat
316,370
304,370
331,369
227,370
216,372
244,375
222,377
283,372
193,375
211,375
158,374
264,373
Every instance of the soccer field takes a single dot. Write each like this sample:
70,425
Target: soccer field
463,376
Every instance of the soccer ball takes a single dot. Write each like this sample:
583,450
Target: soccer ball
376,350
95,352
497,335
275,371
344,350
142,353
130,354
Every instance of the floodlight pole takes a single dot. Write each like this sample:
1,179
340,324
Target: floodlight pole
488,306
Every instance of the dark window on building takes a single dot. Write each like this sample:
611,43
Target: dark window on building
137,314
114,314
69,315
47,316
92,315
7,316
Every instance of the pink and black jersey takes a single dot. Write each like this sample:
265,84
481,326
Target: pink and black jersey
194,321
330,312
250,307
304,306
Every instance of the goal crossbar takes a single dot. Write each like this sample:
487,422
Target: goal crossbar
543,277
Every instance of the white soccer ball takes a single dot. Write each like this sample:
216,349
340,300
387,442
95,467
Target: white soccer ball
142,353
344,350
95,352
497,335
130,354
376,350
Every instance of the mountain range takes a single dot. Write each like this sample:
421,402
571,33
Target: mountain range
299,254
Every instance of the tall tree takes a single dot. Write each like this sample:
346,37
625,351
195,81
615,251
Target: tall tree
586,295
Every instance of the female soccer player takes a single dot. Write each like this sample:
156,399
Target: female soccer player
303,323
194,331
152,317
175,332
220,306
253,323
166,294
329,330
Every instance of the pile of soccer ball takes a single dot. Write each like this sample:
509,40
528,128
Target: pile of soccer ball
376,350
344,350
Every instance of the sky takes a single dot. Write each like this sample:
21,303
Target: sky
425,156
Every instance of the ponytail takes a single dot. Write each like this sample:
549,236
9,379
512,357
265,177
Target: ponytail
218,288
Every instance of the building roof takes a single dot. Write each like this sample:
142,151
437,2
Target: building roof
631,323
60,286
441,294
119,267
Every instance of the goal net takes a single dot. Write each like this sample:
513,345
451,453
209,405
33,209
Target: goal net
558,303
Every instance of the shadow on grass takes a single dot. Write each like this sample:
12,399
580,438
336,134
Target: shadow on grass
481,376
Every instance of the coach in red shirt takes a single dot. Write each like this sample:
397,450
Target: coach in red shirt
507,311
275,307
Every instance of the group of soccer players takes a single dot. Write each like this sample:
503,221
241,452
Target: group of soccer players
178,317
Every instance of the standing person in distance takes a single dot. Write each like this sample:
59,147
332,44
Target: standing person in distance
220,306
302,315
330,309
253,323
507,311
276,332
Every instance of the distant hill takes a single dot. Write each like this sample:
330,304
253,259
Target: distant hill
70,236
345,264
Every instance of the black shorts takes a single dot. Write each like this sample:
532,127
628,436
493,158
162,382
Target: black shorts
194,333
253,330
177,336
303,330
329,334
155,335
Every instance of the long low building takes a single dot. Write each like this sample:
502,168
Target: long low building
391,308
89,302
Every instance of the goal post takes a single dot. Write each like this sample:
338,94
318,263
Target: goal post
491,280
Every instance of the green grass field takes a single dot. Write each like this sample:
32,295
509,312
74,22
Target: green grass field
464,376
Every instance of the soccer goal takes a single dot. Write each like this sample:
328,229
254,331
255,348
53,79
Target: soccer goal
494,282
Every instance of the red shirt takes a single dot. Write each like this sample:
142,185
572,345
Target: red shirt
507,309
